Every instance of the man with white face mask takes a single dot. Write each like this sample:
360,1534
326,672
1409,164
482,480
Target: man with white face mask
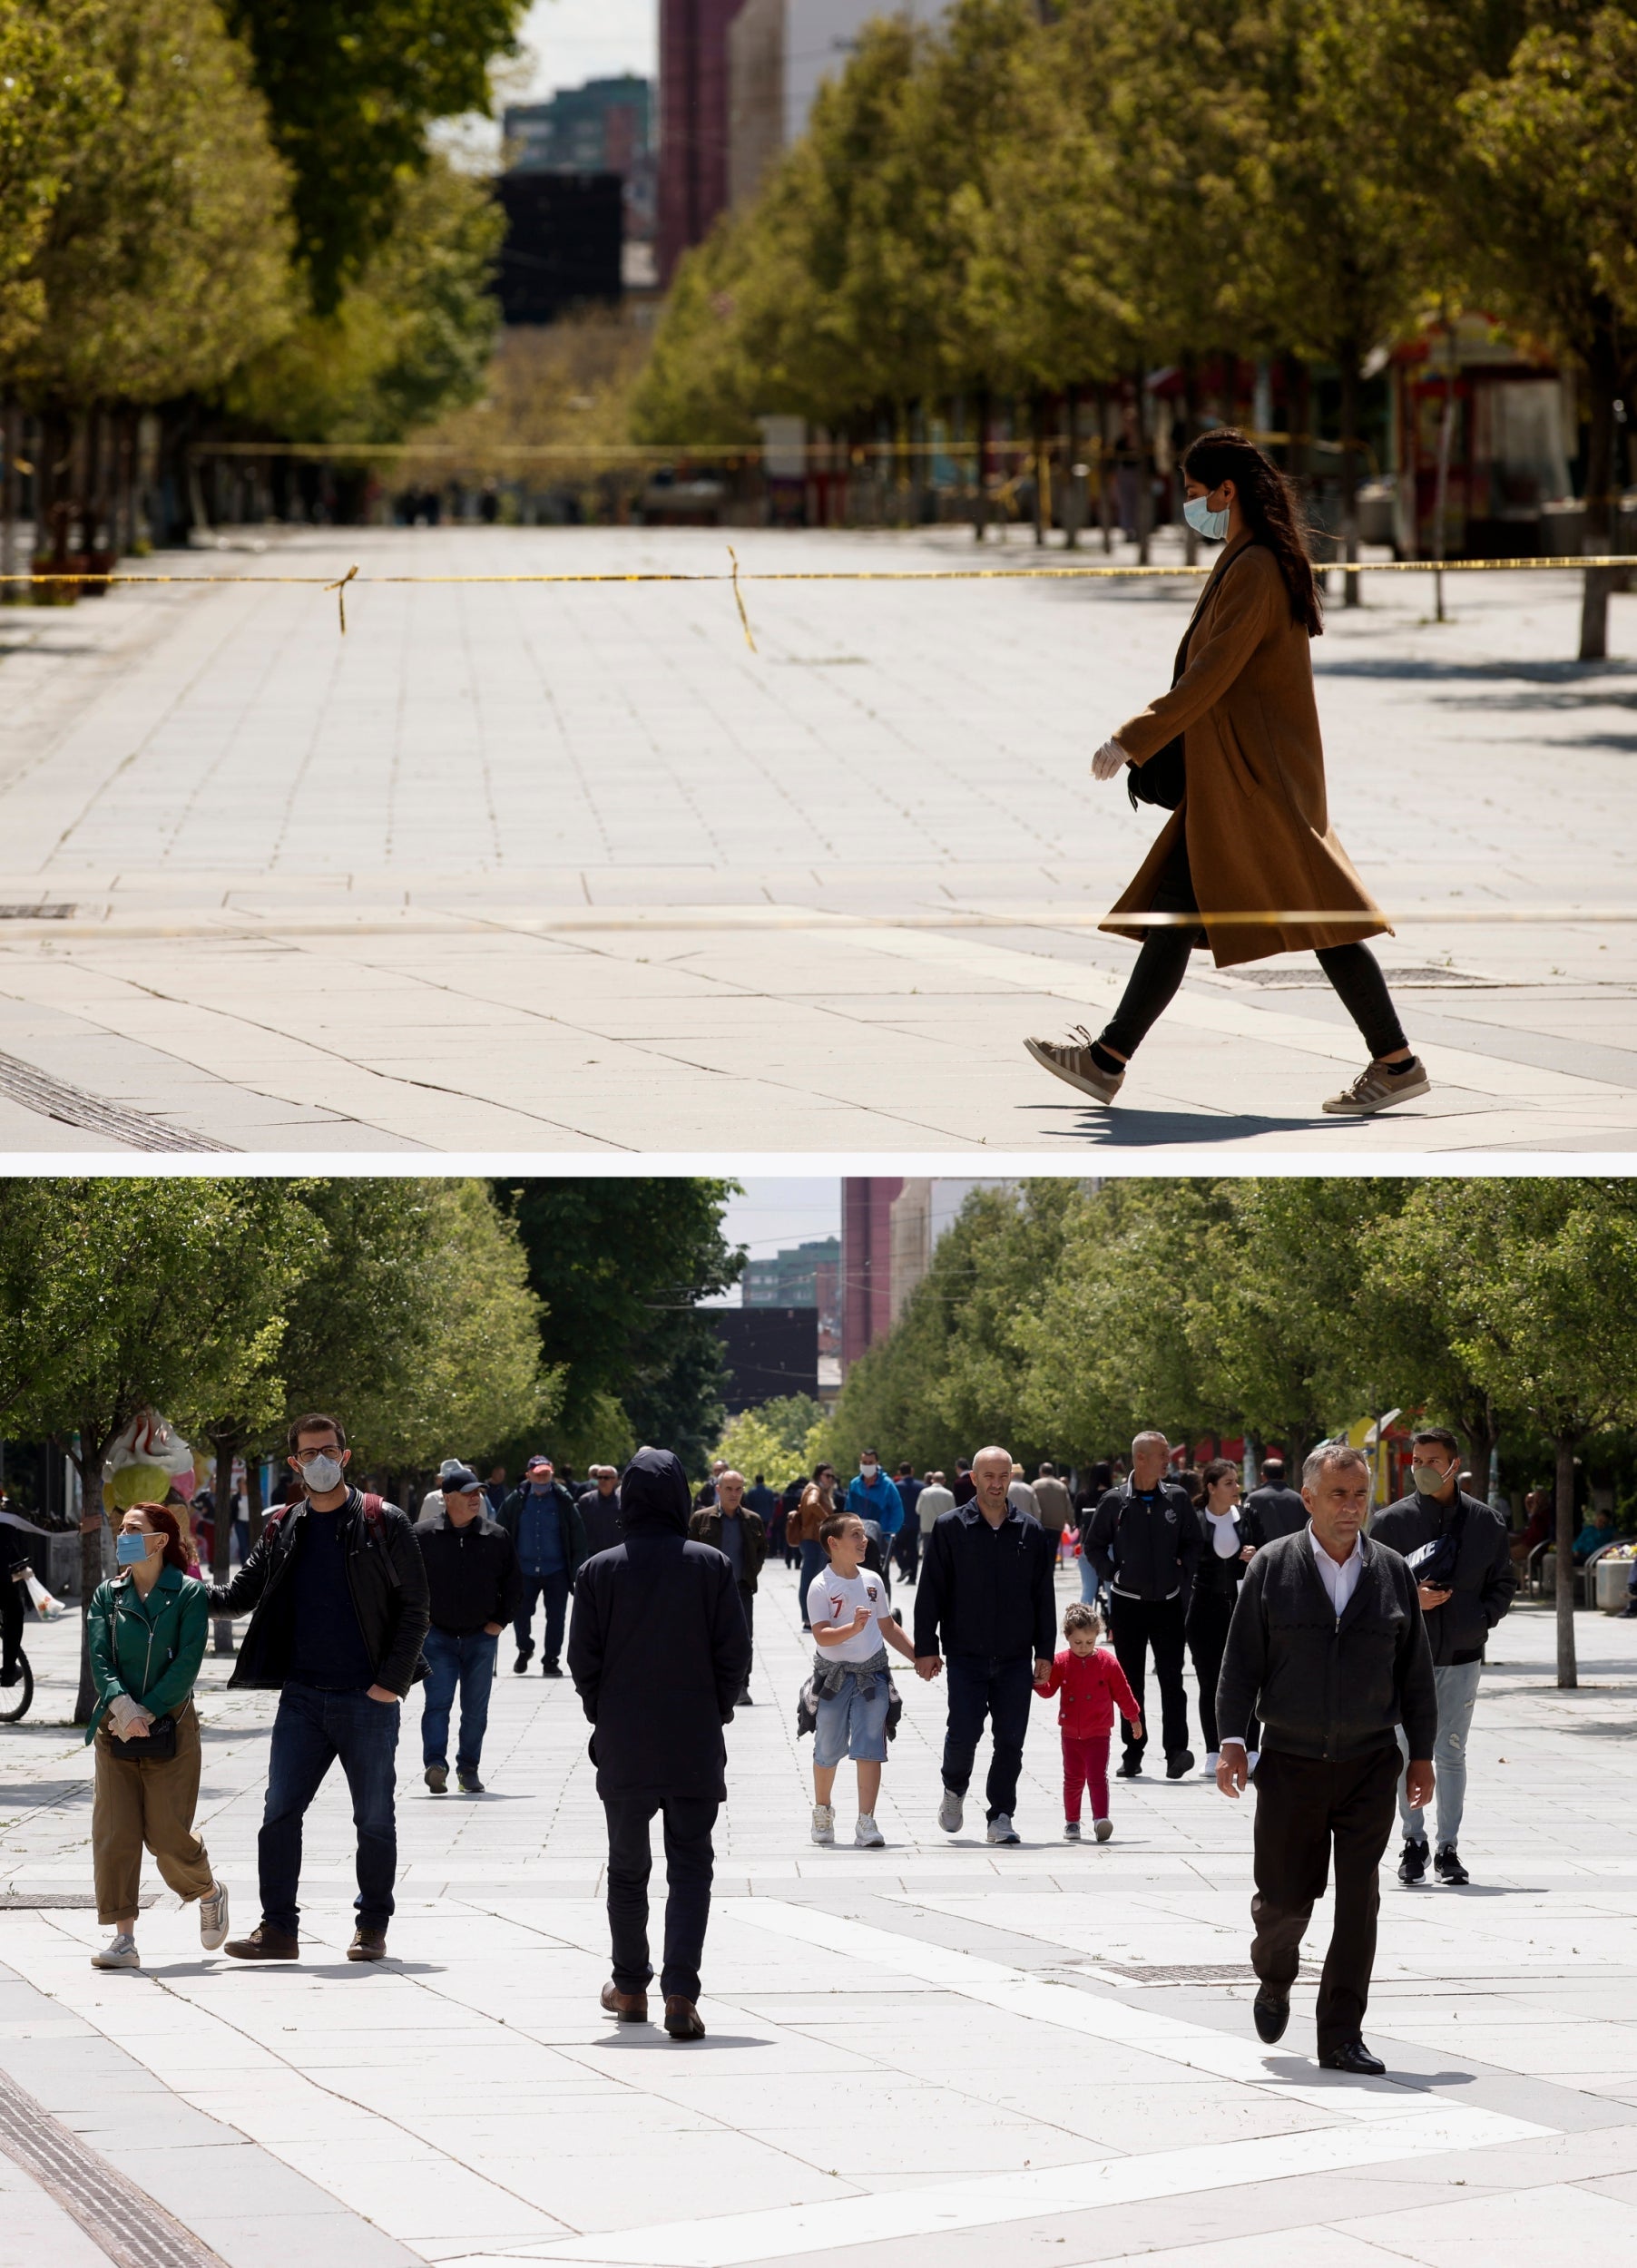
1465,1585
337,1593
872,1496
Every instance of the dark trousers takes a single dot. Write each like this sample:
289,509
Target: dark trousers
1162,963
1208,1621
311,1730
552,1589
1305,1806
457,1657
689,1863
1139,1624
907,1543
11,1628
746,1599
999,1688
815,1558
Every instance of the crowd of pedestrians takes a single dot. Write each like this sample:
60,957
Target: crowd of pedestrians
1337,1670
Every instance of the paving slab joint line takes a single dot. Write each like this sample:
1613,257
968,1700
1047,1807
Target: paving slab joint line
120,2219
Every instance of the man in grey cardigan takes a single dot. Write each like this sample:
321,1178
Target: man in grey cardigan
1329,1648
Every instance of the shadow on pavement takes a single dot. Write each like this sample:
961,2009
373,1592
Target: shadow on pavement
1146,1129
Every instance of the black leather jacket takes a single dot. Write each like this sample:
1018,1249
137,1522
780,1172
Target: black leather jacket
385,1575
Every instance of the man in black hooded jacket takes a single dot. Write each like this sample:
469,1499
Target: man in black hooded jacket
658,1654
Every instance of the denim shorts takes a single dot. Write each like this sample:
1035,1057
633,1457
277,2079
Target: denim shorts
851,1726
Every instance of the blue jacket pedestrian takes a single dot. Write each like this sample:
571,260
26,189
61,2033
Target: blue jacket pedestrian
872,1496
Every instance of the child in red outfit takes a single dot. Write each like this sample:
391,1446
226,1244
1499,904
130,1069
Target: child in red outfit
1092,1686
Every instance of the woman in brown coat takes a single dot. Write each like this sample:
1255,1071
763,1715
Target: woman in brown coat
1238,737
818,1502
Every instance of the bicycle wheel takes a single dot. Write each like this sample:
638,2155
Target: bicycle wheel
15,1700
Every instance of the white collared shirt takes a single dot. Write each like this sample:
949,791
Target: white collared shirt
1341,1581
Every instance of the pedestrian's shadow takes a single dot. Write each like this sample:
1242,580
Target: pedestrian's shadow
646,2037
391,1967
1154,1130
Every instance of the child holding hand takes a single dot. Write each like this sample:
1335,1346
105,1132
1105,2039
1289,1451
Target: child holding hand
1091,1686
852,1627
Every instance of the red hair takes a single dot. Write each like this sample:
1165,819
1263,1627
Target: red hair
163,1521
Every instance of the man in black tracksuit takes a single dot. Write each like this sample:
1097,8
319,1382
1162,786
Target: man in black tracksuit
1144,1539
475,1589
1327,1646
985,1587
336,1591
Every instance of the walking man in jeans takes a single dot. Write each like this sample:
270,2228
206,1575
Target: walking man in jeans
1462,1604
473,1589
337,1595
549,1537
1327,1646
985,1593
1144,1541
659,1653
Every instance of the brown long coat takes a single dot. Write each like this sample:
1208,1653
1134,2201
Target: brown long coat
1258,832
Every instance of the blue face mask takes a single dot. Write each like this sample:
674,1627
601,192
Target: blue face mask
129,1550
1200,518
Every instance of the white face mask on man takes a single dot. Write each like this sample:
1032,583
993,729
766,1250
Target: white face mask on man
321,1474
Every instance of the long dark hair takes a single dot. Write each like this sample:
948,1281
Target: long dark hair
1272,509
161,1521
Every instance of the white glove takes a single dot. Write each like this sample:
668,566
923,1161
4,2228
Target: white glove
125,1713
1110,761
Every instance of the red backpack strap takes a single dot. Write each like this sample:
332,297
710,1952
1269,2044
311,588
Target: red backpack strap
375,1512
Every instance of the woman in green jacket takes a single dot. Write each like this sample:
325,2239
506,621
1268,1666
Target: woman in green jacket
147,1640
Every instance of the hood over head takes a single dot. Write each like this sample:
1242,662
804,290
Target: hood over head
653,1495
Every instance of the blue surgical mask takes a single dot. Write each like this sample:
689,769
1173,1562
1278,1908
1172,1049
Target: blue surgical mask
1200,518
129,1550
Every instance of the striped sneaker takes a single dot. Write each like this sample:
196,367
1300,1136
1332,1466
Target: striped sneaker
1376,1089
1071,1060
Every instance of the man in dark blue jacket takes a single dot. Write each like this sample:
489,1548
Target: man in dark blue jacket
659,1653
549,1536
1144,1541
985,1592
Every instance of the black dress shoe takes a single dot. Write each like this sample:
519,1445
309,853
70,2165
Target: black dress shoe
1179,1764
1131,1769
1354,2057
1412,1863
1272,2013
1447,1866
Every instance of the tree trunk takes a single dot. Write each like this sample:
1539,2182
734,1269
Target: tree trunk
1105,512
1602,386
1480,1449
1566,1674
227,1449
1190,541
1073,495
252,1498
1145,475
980,502
1351,593
11,425
1037,421
88,1465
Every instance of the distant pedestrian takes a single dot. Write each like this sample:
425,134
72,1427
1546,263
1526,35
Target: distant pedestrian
818,1502
337,1593
964,1487
936,1498
790,1503
909,1551
1054,1504
1231,1536
146,1634
495,1490
473,1589
1457,1549
599,1508
763,1502
852,1626
658,1652
1234,750
872,1496
1091,1686
549,1536
984,1602
731,1528
1328,1647
1143,1541
1276,1507
1020,1494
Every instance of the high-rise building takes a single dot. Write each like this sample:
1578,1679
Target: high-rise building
780,52
605,126
693,122
890,1228
805,1275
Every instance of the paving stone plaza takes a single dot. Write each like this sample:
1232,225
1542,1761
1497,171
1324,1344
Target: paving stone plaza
936,2053
516,868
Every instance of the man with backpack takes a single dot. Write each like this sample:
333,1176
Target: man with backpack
337,1595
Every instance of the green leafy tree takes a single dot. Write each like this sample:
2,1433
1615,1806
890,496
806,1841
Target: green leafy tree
776,1439
351,87
54,96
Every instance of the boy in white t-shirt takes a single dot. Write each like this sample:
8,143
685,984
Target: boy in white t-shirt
848,1608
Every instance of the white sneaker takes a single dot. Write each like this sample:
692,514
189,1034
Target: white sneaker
120,1953
951,1811
213,1917
1207,1769
823,1822
1001,1830
1102,1829
866,1834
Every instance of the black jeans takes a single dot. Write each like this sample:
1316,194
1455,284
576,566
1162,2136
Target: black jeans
1138,1624
689,1864
553,1592
1208,1621
1162,963
999,1688
10,1628
746,1599
1305,1806
908,1544
310,1732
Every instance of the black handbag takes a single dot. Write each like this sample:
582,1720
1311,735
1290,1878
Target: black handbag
1163,780
159,1747
1434,1563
